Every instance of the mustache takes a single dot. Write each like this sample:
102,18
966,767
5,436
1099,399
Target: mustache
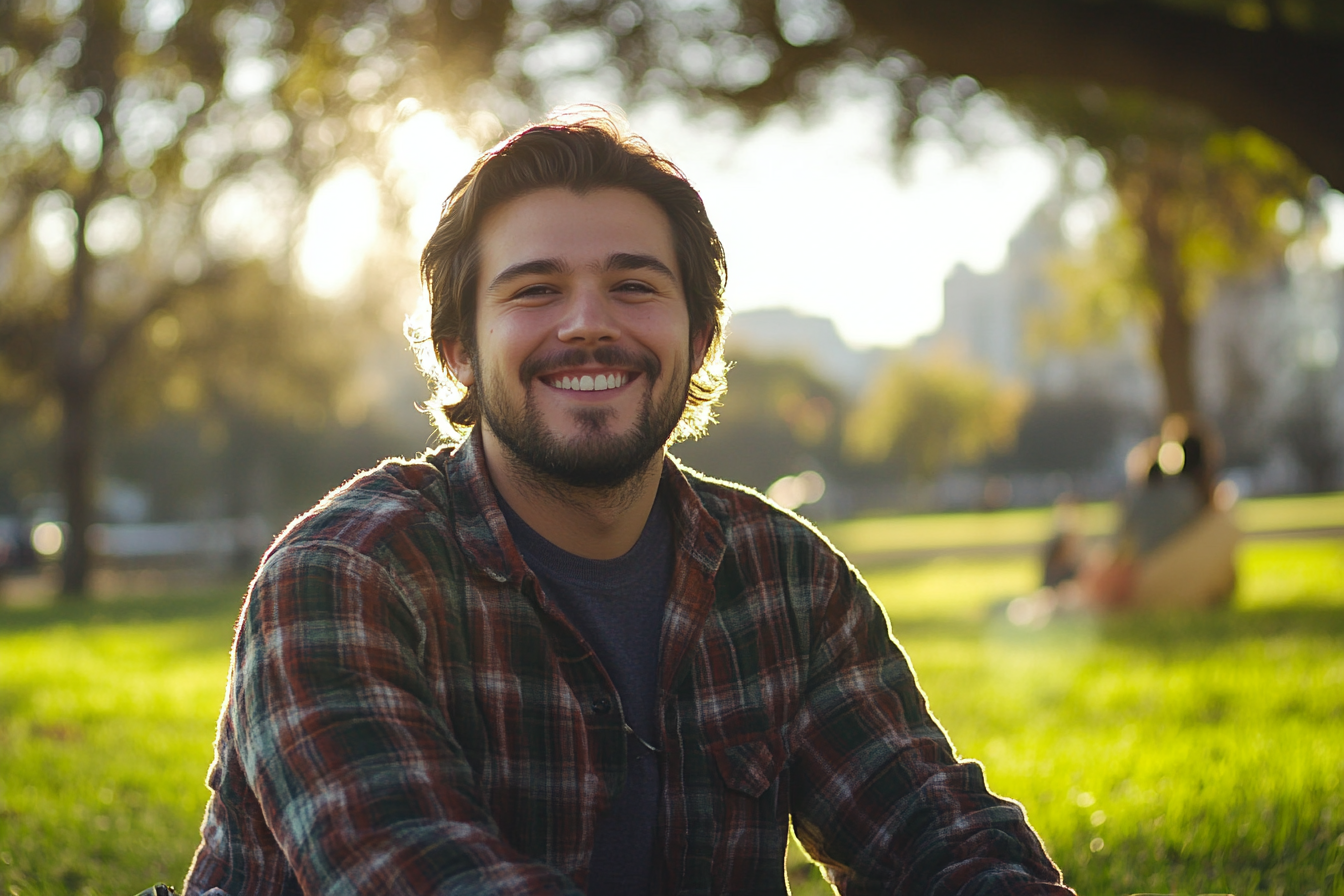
606,355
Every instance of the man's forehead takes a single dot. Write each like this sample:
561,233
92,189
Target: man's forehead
581,228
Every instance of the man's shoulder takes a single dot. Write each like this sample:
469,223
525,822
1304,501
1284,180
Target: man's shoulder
746,515
397,495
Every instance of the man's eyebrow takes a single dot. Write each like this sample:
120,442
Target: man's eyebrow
618,261
528,268
628,261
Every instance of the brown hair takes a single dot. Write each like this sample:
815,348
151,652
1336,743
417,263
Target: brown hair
580,153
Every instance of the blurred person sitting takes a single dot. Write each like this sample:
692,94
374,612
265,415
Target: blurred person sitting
1063,555
1193,566
1176,543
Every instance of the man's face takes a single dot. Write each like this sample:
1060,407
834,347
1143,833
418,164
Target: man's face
583,346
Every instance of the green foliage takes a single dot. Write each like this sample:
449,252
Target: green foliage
1219,193
1103,287
174,127
932,415
156,165
1198,203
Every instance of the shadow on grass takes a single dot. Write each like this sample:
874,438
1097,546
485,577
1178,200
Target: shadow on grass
222,602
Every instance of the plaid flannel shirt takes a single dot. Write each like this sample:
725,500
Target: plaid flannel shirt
407,713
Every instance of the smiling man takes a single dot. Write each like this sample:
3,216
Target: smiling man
549,659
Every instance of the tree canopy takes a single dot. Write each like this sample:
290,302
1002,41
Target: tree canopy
156,161
1274,65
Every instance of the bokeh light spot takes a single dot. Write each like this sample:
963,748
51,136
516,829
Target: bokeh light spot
1171,458
48,539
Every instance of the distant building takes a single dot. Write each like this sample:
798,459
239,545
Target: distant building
770,333
988,317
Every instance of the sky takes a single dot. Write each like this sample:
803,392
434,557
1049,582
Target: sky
813,216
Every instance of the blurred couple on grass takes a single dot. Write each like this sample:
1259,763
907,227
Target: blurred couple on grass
1173,550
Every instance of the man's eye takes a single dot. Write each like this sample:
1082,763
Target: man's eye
536,291
634,286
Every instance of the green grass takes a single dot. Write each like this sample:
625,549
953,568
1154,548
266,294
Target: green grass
107,714
872,538
1182,754
1165,755
876,536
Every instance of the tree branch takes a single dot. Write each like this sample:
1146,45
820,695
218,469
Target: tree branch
1284,82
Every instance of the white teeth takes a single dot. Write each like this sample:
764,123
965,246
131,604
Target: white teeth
586,383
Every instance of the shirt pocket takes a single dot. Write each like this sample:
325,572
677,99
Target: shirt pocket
750,819
751,766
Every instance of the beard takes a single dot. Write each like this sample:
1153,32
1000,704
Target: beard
596,458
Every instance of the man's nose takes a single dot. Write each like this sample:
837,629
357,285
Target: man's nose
588,317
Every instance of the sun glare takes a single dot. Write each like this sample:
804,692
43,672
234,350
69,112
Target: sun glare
1332,247
429,157
340,227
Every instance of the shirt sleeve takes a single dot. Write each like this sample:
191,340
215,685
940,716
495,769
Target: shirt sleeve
878,796
353,763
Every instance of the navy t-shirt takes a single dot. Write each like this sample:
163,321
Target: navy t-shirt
617,605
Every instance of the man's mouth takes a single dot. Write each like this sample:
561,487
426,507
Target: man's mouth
587,382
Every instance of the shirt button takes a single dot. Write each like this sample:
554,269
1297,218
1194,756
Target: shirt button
601,706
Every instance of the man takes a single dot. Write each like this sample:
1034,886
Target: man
552,660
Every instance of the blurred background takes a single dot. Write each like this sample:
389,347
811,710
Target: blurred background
976,254
979,250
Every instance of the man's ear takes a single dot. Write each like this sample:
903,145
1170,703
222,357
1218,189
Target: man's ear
700,348
458,360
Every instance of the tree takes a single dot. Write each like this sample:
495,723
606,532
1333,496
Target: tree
924,417
1197,203
156,159
1274,66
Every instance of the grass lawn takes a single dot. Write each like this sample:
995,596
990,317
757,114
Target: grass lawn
869,539
107,714
1172,755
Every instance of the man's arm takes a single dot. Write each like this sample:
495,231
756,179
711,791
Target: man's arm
355,768
877,793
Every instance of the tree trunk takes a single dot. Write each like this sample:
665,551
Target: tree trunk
75,378
1173,331
1174,341
80,356
76,474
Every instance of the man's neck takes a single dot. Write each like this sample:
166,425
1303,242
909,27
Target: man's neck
596,523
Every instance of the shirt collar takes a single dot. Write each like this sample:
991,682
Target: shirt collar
483,533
